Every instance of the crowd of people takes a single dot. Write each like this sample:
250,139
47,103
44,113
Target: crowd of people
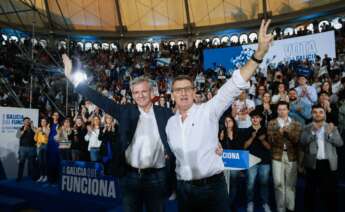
284,117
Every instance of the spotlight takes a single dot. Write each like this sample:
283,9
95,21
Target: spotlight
79,76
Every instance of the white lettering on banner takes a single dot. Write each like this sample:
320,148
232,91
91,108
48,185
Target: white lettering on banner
231,155
83,185
304,48
79,171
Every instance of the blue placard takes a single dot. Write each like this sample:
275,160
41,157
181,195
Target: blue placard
88,178
237,159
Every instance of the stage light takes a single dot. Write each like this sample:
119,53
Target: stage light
79,76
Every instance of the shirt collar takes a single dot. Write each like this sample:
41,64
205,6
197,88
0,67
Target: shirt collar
149,113
189,111
281,122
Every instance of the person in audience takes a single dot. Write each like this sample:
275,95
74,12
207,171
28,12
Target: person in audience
64,138
306,92
282,94
107,136
53,157
92,137
241,109
300,110
267,109
79,145
230,139
330,108
27,148
283,135
41,138
319,141
257,144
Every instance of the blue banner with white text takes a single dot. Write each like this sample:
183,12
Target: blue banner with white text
236,159
88,178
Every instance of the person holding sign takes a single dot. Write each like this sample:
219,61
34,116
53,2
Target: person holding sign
193,135
230,139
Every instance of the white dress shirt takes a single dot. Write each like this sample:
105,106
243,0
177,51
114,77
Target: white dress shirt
194,141
283,123
146,149
320,138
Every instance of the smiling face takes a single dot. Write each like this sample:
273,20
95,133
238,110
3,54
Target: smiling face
142,94
183,94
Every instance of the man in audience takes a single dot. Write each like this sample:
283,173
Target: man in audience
257,144
300,110
306,92
283,135
320,141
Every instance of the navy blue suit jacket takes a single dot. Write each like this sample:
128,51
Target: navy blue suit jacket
128,116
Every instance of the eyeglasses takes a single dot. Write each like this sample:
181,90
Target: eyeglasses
187,89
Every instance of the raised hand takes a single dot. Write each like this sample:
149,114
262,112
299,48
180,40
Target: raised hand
68,66
264,39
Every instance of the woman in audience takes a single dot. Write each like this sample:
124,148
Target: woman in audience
64,137
92,137
229,139
41,138
107,136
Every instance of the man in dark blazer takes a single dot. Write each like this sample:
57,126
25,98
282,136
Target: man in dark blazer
142,157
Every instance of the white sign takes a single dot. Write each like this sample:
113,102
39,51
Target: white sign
11,119
299,48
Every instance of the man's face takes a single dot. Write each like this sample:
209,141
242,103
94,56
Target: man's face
256,120
302,80
283,111
142,94
319,115
184,94
26,122
292,95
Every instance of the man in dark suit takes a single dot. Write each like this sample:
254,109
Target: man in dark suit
142,157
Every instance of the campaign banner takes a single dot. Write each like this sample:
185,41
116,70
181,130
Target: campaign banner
87,178
238,159
11,119
298,48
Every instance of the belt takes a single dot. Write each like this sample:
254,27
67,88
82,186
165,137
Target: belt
143,171
206,181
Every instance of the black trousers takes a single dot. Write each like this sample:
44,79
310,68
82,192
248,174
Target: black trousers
324,180
205,195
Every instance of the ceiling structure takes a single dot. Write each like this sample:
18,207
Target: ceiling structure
144,17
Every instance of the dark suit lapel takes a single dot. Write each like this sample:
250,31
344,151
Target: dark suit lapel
160,122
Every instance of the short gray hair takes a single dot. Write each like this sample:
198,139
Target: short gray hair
141,79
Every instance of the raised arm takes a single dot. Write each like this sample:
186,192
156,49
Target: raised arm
103,102
264,42
240,78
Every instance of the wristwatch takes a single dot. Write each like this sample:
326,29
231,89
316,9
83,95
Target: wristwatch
256,59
